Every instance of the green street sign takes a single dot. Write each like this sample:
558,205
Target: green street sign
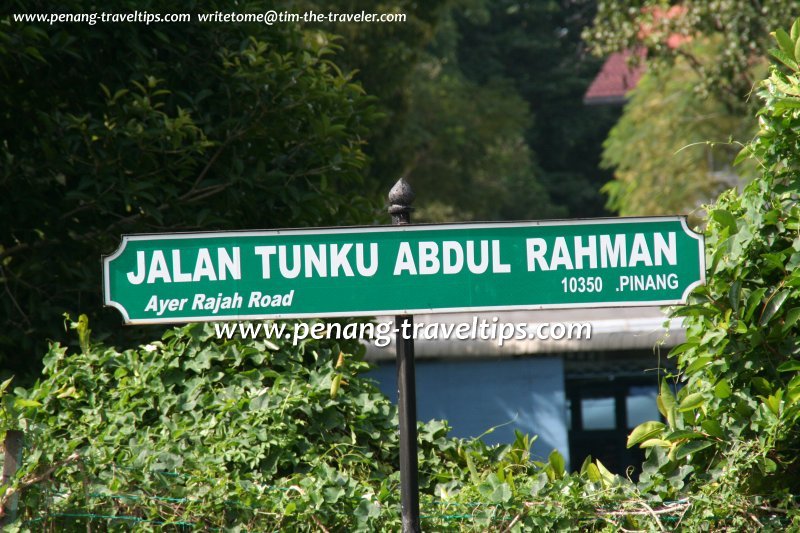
362,271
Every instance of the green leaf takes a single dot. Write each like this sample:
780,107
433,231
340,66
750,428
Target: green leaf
643,432
335,383
761,385
694,310
586,462
743,155
556,460
793,390
593,473
494,490
473,471
697,364
786,104
792,316
23,402
713,428
734,294
690,447
725,219
722,390
366,510
774,261
773,305
783,58
683,347
666,403
752,302
785,42
35,53
539,483
773,403
789,366
332,494
606,476
649,443
768,466
691,401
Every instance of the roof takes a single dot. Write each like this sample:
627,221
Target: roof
615,79
612,330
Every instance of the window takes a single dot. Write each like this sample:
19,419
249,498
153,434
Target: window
640,405
603,410
598,413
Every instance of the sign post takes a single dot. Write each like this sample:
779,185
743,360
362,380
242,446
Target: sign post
400,198
401,270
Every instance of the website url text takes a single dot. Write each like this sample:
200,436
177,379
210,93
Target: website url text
382,333
268,17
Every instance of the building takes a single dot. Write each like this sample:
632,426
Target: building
580,396
622,70
616,78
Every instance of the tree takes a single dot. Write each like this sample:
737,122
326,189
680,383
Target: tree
494,106
536,48
118,128
702,59
384,58
465,145
672,150
740,27
461,144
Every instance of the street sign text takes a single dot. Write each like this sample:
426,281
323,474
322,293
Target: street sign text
405,269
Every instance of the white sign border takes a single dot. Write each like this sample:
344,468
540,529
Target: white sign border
106,260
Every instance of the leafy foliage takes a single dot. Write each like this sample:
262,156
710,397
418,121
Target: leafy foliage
674,147
258,435
384,59
192,432
217,434
731,432
672,150
666,28
469,165
536,48
107,129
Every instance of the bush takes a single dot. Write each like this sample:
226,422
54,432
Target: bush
731,438
193,431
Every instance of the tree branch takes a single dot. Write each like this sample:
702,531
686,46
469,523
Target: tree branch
32,480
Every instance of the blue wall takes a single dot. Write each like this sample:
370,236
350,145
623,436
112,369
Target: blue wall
476,395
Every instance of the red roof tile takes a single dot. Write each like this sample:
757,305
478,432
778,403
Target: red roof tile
614,80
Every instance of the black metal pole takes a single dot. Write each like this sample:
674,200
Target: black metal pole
400,198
